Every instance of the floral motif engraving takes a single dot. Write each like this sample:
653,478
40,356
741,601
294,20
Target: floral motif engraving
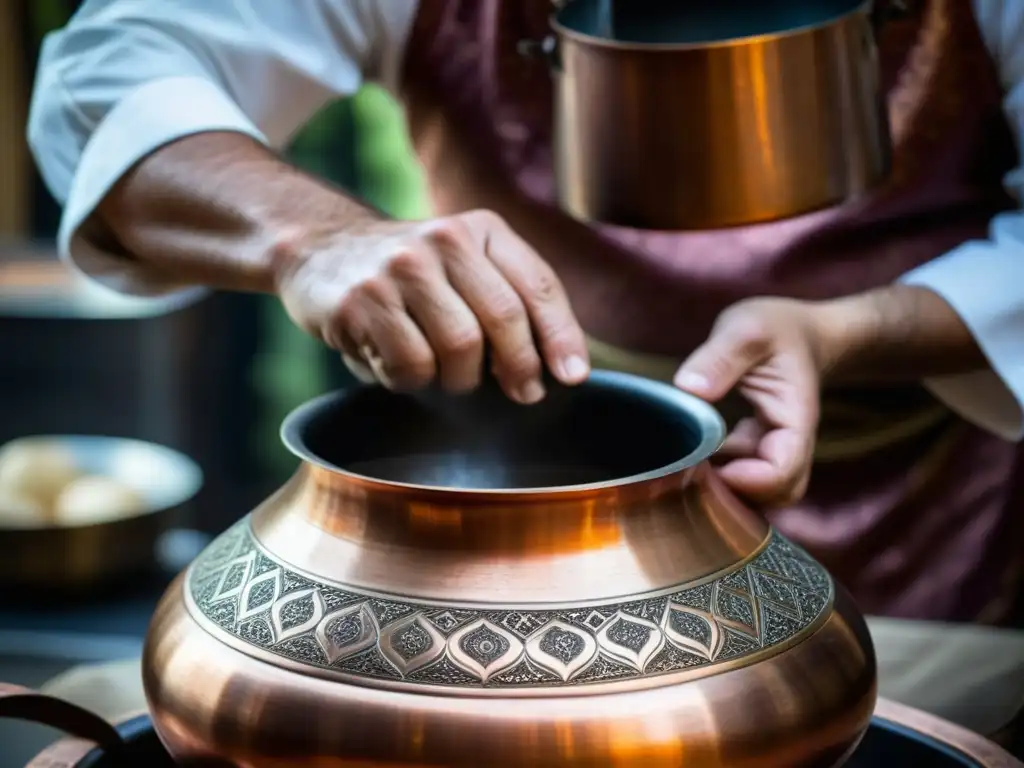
346,632
243,591
411,643
563,645
260,594
561,648
297,613
484,645
485,649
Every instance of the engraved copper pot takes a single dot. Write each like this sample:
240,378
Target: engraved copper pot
673,115
465,582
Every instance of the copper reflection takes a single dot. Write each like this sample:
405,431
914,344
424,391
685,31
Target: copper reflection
725,133
805,702
813,699
649,620
507,549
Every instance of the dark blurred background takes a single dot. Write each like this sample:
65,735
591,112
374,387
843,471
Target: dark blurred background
213,379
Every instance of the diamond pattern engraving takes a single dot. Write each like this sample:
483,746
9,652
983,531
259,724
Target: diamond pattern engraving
522,623
735,610
260,593
630,639
234,578
446,621
780,595
296,613
776,591
484,649
691,630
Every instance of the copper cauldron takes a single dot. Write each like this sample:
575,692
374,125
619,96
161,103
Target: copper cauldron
681,115
465,581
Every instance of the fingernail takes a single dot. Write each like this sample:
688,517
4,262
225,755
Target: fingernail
531,392
574,368
691,381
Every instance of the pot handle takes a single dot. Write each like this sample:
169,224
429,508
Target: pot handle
19,703
90,731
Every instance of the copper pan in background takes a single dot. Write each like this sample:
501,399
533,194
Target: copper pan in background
699,115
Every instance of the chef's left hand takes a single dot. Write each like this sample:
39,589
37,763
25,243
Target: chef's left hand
769,350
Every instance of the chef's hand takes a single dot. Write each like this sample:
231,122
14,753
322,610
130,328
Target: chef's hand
415,301
769,350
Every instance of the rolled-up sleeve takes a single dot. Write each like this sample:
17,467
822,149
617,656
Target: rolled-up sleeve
126,77
984,281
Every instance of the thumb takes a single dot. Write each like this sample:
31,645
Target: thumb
717,366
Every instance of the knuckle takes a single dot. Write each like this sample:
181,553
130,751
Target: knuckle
523,364
408,264
450,234
545,286
506,309
347,313
483,218
462,341
373,290
565,337
412,372
753,350
750,331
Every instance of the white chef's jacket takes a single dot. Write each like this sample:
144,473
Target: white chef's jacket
128,76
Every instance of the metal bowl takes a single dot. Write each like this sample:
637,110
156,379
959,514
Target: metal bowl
64,559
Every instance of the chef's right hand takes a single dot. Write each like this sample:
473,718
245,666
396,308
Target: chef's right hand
418,301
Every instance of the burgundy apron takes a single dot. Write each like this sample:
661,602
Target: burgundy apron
913,509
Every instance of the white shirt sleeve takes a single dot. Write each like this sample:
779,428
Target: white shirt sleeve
984,280
126,77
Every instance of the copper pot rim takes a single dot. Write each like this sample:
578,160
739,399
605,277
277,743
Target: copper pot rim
708,422
595,41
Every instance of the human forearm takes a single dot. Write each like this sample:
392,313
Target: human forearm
895,332
219,209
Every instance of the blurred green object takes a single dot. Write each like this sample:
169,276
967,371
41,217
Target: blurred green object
389,175
45,16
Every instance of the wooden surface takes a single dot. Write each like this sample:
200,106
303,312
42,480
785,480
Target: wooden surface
15,165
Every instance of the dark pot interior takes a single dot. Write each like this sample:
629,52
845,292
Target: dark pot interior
613,429
889,744
661,22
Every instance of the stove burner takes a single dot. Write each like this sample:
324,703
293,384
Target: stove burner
885,745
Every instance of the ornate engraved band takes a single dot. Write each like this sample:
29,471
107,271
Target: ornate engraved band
769,600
